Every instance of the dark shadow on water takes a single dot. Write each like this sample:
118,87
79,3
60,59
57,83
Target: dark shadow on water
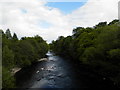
59,73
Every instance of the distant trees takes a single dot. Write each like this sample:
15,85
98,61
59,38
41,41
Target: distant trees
8,34
15,38
20,53
101,24
113,22
98,46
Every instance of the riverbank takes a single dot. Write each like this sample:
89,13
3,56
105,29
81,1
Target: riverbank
57,72
14,70
43,59
90,72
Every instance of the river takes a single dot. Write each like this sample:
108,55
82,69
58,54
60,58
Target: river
57,72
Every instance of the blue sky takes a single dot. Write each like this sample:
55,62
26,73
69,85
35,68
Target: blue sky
23,10
66,7
44,24
33,17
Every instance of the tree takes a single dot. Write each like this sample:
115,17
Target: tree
114,56
98,47
8,81
25,53
78,31
15,38
101,24
19,53
113,22
8,34
8,57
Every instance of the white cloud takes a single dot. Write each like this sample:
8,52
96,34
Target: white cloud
95,11
23,17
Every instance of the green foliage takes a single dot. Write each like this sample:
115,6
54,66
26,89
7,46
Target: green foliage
24,54
8,80
113,22
8,34
101,24
97,47
20,53
8,57
114,56
15,38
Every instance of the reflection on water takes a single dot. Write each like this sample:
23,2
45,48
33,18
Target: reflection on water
56,73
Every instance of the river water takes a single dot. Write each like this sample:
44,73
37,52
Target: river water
57,72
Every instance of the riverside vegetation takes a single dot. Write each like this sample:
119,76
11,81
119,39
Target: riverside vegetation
19,53
97,48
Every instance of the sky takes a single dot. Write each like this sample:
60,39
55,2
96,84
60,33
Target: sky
53,18
66,7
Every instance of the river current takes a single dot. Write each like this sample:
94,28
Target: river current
57,72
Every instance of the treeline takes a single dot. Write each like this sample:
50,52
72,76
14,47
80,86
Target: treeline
97,47
19,53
